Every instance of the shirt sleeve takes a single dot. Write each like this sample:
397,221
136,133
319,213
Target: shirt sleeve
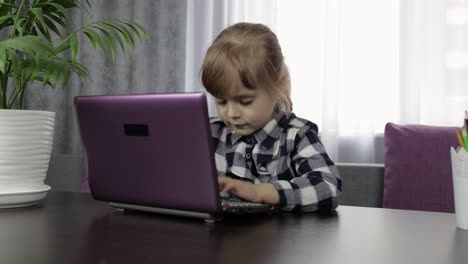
218,135
317,184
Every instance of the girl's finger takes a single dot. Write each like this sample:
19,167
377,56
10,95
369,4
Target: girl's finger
229,187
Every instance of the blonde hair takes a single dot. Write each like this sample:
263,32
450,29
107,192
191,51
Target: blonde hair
250,53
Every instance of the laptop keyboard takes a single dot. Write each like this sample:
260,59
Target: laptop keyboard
238,204
233,203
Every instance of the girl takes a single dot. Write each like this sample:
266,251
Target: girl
263,151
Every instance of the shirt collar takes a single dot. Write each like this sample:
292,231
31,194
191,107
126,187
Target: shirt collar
266,135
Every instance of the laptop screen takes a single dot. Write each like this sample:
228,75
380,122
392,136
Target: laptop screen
149,149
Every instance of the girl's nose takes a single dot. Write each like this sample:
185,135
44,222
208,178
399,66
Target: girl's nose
232,110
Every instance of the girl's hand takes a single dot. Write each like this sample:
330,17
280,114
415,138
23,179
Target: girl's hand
258,193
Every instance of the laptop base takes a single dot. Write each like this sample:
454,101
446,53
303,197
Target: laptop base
209,218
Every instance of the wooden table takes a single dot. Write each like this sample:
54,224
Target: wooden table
74,228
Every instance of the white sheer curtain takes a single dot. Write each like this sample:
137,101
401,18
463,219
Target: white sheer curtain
456,61
434,67
343,59
358,64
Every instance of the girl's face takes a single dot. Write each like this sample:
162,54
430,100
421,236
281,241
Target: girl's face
246,110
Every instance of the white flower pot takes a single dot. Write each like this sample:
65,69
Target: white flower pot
26,138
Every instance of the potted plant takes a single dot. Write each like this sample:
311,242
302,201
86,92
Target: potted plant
39,43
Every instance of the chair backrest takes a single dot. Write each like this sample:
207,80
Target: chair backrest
418,168
363,184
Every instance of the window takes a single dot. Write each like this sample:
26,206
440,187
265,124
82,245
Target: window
343,58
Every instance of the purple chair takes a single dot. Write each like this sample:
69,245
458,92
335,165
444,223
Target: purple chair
418,168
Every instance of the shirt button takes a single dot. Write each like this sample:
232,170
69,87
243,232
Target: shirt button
249,139
247,156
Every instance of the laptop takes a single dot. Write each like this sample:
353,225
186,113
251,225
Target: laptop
154,152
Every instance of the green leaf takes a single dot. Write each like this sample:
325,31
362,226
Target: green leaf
65,78
6,7
137,28
67,4
124,32
55,75
61,12
74,46
18,25
62,47
3,19
110,42
27,44
12,57
127,35
57,19
61,68
53,27
34,71
91,39
133,28
40,23
46,75
91,34
114,33
3,61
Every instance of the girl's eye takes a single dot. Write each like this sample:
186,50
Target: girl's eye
221,102
247,101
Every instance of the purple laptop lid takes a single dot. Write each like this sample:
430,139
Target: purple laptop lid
150,149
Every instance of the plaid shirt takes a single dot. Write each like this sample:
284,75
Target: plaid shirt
286,153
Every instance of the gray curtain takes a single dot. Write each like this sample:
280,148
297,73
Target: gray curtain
154,67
